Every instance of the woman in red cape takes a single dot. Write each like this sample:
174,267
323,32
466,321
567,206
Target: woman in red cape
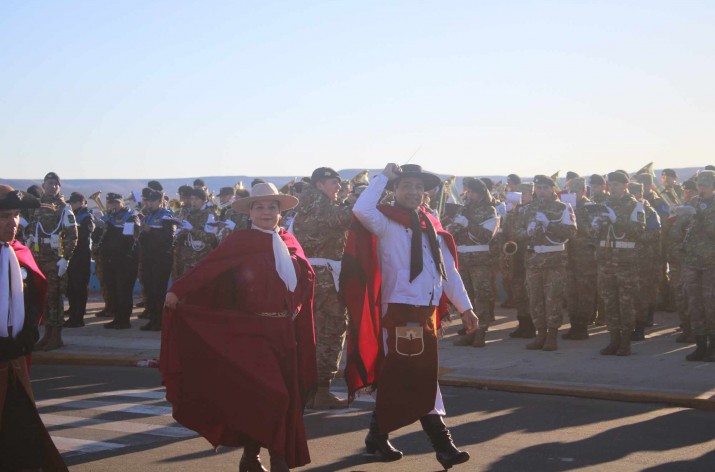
238,343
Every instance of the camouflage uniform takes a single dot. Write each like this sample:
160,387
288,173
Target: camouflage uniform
648,254
241,220
476,262
320,226
54,219
546,259
673,236
582,271
518,263
617,262
192,245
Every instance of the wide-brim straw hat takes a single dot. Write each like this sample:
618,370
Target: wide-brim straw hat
264,192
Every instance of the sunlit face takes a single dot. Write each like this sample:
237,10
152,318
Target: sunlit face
409,191
114,206
688,194
265,214
668,181
543,191
51,187
197,203
705,191
597,188
526,197
474,197
617,188
330,187
9,222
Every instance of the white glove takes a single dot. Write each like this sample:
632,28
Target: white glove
612,215
62,267
461,220
531,228
186,225
543,219
211,228
230,225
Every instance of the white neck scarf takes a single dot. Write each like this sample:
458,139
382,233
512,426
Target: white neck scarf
284,264
12,302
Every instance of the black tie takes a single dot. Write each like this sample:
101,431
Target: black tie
416,246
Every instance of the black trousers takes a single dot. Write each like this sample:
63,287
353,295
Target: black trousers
78,274
120,273
156,272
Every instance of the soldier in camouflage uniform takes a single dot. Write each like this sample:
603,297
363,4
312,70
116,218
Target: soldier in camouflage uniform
526,327
618,229
582,273
194,238
228,219
599,195
473,232
699,268
548,224
648,253
321,225
673,236
53,232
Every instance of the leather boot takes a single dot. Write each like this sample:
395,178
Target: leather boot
480,337
55,340
613,344
577,332
624,348
701,349
552,336
447,453
465,340
324,399
710,354
40,345
278,462
639,331
251,459
379,444
538,343
685,335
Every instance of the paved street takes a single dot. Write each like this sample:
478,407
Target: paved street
115,419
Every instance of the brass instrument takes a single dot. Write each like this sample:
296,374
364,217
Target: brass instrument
286,189
446,194
555,178
96,198
361,178
239,186
510,248
174,205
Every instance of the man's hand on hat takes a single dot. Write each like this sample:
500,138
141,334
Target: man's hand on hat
392,171
470,320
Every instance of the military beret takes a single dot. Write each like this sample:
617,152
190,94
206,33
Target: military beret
76,197
706,177
227,191
185,190
526,187
114,197
577,184
200,194
636,188
618,177
199,183
645,179
690,185
488,182
322,173
52,176
513,179
476,185
257,181
155,185
597,180
571,175
669,173
544,180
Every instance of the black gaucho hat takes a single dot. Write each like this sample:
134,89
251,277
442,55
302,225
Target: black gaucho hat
322,173
544,180
430,181
11,199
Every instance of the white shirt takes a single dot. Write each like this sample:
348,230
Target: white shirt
393,253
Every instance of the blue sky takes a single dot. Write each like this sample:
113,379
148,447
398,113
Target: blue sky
140,89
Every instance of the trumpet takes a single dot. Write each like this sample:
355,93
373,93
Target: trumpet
510,248
95,197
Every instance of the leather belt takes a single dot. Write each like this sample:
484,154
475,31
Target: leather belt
475,248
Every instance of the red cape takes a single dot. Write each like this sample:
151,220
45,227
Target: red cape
360,282
207,330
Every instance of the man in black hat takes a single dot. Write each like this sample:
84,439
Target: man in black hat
617,231
669,178
401,253
547,225
80,264
599,189
120,259
53,233
230,220
320,225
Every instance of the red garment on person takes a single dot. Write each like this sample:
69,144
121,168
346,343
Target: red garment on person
230,373
360,282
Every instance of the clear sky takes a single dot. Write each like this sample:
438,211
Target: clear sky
140,89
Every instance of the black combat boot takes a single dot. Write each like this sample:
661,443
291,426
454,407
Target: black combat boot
613,344
710,354
379,444
447,453
639,331
525,329
251,459
701,349
577,332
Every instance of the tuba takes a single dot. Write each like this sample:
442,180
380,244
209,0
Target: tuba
95,197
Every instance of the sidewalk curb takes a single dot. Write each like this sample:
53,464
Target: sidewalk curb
704,401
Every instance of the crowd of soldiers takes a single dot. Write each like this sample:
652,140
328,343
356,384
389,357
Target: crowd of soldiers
605,249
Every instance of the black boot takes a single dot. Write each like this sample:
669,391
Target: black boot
710,354
251,459
278,462
447,454
525,329
577,332
379,444
701,349
639,331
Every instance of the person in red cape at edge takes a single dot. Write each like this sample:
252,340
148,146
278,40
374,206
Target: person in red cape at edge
25,444
399,270
238,343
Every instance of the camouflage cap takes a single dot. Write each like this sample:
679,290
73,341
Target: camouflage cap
618,177
544,180
322,173
636,188
577,184
706,177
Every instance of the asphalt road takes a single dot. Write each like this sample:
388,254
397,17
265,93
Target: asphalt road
115,419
